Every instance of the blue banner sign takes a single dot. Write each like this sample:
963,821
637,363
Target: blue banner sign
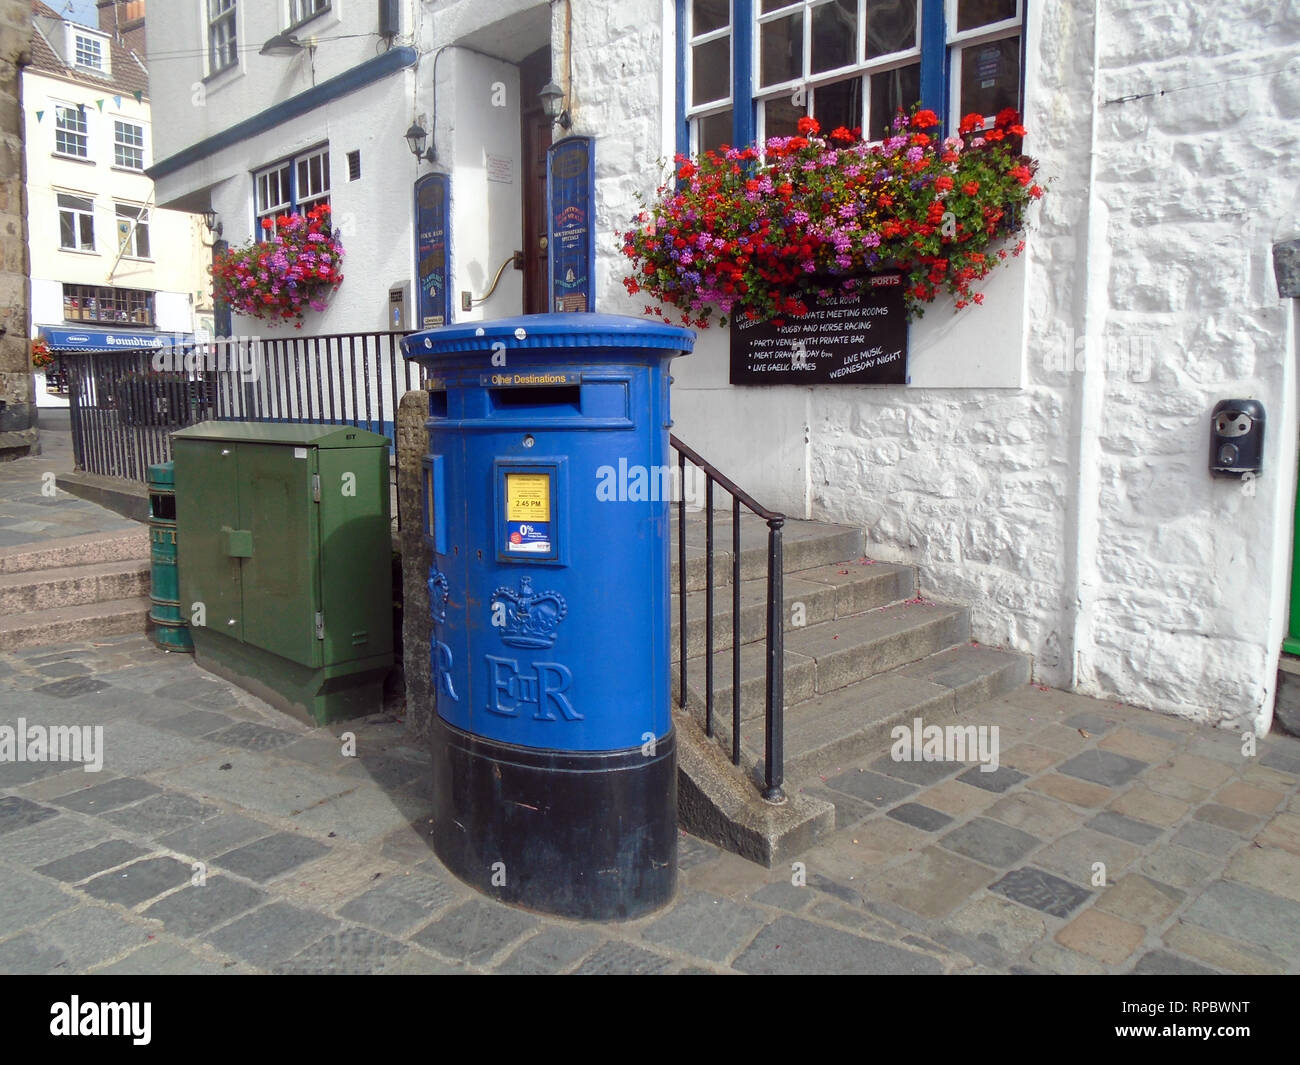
571,250
433,293
86,340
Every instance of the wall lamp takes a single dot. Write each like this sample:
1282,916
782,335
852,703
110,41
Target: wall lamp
552,97
415,138
284,43
214,227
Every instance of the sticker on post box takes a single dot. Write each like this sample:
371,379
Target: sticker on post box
528,513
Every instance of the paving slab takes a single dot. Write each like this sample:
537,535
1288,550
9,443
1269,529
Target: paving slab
72,941
197,908
705,926
552,950
139,882
401,903
475,931
272,934
265,859
795,945
1247,913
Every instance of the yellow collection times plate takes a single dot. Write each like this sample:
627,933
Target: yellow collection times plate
528,497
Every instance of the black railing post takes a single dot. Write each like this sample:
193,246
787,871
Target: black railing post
74,412
681,580
774,755
735,631
708,604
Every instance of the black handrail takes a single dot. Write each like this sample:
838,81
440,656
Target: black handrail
774,685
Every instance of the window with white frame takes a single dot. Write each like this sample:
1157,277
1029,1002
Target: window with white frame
984,43
128,145
272,196
88,51
294,186
850,63
312,182
708,64
302,10
133,230
223,51
76,222
70,131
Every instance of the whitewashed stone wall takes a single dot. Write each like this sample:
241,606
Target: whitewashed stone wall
1075,513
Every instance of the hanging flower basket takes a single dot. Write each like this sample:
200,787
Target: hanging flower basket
762,235
294,269
41,354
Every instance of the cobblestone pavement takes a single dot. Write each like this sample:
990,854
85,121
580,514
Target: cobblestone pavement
33,509
320,863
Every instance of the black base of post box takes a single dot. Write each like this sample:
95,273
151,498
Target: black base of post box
591,835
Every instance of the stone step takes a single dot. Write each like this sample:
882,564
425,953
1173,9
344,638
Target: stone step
38,628
805,545
831,655
98,582
831,730
76,551
810,597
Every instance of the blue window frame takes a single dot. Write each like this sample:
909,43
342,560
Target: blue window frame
749,69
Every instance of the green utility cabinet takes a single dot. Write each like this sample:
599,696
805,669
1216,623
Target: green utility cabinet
286,573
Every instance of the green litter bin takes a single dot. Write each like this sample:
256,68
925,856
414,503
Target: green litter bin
168,624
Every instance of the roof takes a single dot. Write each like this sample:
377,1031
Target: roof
127,70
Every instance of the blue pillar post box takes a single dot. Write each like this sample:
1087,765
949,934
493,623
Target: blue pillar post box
547,490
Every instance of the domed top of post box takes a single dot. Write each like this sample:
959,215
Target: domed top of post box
553,332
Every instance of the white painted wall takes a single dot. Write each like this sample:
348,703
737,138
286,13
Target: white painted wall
1072,510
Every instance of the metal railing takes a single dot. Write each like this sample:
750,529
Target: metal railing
124,405
774,679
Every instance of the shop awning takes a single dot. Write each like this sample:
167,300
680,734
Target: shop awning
87,340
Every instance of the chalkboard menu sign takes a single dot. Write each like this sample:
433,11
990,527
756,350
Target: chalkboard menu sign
858,339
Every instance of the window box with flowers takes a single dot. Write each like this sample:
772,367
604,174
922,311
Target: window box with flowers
296,268
761,234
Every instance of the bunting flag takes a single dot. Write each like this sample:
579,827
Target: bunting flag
39,115
139,95
99,104
117,101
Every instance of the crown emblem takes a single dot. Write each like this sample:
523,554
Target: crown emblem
439,593
527,618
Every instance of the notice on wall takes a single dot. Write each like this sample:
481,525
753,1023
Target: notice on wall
432,293
858,339
500,168
571,249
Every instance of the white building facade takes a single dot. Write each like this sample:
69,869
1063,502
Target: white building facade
107,264
1047,461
